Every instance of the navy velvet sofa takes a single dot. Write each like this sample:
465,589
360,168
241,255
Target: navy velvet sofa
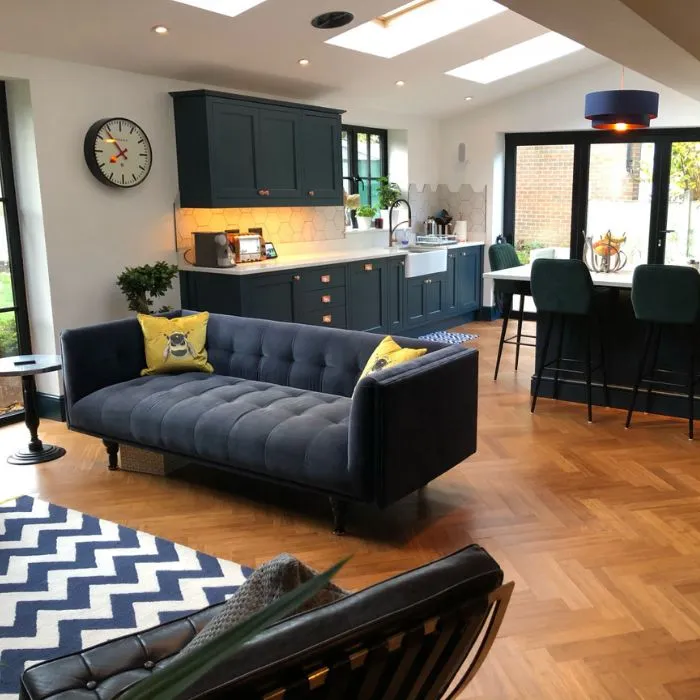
284,404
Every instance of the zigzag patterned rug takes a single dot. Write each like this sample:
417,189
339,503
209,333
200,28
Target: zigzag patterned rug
69,580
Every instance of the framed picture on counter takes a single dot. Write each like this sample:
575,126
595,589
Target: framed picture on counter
270,250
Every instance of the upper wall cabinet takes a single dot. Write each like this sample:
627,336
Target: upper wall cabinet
235,151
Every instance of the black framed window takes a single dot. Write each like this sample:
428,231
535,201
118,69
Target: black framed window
365,160
563,186
14,319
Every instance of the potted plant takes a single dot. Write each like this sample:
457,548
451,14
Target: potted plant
389,192
142,285
365,214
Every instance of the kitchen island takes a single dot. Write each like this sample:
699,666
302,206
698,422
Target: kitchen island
623,340
381,290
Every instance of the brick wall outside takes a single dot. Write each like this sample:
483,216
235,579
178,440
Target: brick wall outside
543,189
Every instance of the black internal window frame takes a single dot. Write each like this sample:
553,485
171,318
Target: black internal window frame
355,182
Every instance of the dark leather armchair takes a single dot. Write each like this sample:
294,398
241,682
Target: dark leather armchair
408,637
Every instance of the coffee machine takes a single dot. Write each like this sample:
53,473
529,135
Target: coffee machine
212,249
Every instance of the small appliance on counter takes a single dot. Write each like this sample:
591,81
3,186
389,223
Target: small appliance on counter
212,249
247,247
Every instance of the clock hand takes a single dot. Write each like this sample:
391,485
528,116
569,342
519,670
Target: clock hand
116,145
114,159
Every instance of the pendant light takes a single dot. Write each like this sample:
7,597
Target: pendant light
622,110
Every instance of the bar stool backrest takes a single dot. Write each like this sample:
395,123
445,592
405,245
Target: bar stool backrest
502,256
666,294
562,286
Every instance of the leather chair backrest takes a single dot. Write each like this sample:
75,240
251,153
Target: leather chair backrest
666,294
561,286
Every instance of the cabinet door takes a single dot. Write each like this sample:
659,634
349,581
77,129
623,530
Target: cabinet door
368,295
279,162
269,296
434,290
469,278
451,301
233,152
321,147
395,283
416,313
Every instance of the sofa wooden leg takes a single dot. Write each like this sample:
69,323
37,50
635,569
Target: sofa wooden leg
112,453
340,511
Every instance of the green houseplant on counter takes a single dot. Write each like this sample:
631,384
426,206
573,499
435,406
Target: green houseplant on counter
365,215
142,285
388,193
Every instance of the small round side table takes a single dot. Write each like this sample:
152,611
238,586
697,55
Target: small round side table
26,367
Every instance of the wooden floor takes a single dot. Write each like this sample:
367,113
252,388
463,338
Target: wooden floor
599,527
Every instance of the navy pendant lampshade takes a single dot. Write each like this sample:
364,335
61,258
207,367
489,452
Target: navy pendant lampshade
620,110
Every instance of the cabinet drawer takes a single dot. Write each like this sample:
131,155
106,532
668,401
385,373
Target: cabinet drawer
319,299
320,278
334,317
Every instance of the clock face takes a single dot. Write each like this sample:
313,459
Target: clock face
118,152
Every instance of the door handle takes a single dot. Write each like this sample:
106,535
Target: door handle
264,192
311,193
662,236
296,278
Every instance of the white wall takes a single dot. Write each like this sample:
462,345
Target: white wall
555,107
80,234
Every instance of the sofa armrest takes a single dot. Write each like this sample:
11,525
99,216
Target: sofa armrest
413,422
98,356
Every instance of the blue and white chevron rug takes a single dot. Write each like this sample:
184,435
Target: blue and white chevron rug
448,338
69,580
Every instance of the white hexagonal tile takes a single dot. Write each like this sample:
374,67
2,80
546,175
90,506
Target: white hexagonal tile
297,220
286,234
329,212
307,232
217,223
285,214
307,213
202,216
319,220
246,221
272,226
232,216
339,219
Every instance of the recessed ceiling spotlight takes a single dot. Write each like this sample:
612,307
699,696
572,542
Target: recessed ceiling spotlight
332,20
304,61
468,99
400,83
159,29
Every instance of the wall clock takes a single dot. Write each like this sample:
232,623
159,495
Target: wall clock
118,152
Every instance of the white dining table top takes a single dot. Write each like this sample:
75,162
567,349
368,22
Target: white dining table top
621,280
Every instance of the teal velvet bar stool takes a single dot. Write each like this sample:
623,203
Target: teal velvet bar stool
564,295
663,297
502,256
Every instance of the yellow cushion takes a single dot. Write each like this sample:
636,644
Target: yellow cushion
175,344
389,353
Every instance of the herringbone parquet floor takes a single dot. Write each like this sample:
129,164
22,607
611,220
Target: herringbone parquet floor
598,526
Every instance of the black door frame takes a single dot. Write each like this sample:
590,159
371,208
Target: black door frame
352,131
582,141
8,200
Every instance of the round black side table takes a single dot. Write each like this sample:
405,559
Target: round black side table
26,367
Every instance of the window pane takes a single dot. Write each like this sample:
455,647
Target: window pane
346,155
619,195
375,153
374,193
683,239
364,192
6,295
362,156
543,194
10,387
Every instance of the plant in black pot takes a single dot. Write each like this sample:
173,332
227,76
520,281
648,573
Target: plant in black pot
143,285
388,193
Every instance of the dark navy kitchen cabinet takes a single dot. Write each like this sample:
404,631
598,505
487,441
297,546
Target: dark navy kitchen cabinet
469,284
395,284
270,296
425,298
238,151
451,287
368,295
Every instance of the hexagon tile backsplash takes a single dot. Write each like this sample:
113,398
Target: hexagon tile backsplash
279,224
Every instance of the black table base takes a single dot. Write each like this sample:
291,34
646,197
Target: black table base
36,451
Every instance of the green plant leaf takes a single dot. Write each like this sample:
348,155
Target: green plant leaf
183,672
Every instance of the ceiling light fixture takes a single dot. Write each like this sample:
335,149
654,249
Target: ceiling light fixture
228,8
304,61
332,20
622,110
468,99
515,59
400,83
159,29
414,24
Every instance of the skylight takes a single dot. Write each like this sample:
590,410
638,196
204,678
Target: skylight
414,24
229,8
515,59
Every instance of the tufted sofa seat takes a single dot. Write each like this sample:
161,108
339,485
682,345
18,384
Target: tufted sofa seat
284,404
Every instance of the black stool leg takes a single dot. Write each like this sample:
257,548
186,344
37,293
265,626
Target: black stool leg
520,330
507,306
587,371
542,362
604,371
656,344
560,348
691,391
640,373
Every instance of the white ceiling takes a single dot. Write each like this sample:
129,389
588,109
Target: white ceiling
258,51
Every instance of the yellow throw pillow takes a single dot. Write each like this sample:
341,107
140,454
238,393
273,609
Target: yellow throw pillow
389,353
175,344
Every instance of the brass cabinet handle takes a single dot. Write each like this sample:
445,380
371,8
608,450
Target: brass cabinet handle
296,278
428,281
264,192
326,279
369,267
311,193
328,318
463,254
326,299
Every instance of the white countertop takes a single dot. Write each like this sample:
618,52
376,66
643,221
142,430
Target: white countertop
621,280
292,262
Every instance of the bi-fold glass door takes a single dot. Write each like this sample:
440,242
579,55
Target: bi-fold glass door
642,186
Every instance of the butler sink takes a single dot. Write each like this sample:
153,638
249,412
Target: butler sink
422,261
